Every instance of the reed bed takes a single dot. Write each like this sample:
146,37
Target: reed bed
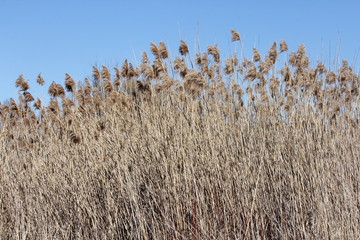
191,147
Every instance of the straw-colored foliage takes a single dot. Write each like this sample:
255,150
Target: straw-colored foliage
222,149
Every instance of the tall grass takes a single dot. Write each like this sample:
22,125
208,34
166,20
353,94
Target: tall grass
186,148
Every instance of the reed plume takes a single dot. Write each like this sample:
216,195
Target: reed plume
235,36
183,49
22,83
40,80
69,83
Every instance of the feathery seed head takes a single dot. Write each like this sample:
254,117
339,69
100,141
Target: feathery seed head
183,49
40,80
235,36
22,83
283,46
163,50
256,55
154,49
69,83
215,52
28,97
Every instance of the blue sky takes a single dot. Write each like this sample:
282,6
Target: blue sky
58,37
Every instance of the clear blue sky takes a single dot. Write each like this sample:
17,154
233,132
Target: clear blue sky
58,37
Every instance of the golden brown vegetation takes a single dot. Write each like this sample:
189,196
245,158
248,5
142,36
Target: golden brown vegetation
168,151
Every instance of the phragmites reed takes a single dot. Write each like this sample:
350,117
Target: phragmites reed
53,89
215,52
105,73
193,82
155,50
13,106
40,80
132,72
108,86
22,83
251,73
144,58
283,46
273,53
321,68
54,106
163,50
230,64
147,71
215,150
56,90
38,104
69,83
159,67
96,75
117,80
28,97
256,55
235,36
125,69
183,49
60,90
180,66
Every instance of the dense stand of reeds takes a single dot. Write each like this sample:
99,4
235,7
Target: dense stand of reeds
186,148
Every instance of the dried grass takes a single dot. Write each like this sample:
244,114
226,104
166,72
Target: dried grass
243,151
